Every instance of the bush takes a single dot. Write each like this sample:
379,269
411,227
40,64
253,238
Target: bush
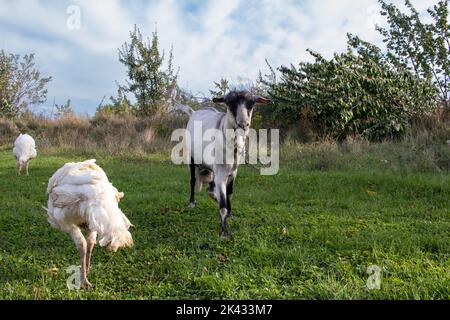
356,92
367,91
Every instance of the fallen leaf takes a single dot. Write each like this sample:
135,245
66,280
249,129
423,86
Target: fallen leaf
53,270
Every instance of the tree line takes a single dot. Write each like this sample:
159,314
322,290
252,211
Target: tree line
365,90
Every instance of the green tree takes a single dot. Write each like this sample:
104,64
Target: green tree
423,48
21,84
220,88
356,92
152,86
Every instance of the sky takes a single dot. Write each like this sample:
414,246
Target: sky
76,42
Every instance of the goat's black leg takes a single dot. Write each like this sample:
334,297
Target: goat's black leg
223,213
192,170
229,196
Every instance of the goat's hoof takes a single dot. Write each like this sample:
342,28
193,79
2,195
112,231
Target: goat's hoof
226,235
192,205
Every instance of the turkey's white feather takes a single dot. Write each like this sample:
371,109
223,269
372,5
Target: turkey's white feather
24,148
81,194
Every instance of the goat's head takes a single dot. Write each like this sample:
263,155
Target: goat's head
240,105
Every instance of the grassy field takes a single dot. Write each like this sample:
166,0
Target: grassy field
303,234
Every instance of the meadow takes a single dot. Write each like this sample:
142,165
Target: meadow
310,232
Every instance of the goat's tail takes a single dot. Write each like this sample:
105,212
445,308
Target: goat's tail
183,108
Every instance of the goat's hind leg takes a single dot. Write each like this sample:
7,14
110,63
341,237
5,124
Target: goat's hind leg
223,212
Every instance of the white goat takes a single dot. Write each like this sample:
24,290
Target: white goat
24,150
80,196
220,175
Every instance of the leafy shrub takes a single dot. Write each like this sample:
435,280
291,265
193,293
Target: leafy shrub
356,92
365,90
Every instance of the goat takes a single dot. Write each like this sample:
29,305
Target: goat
220,175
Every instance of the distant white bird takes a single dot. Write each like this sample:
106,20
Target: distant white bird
24,150
80,196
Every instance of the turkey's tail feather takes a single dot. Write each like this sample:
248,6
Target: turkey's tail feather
111,224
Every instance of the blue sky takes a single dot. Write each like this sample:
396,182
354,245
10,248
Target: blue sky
211,39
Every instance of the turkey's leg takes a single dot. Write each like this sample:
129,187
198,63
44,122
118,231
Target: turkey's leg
81,244
91,240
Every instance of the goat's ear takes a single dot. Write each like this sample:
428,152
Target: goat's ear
262,100
219,100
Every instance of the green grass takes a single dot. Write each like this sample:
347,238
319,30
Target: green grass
303,234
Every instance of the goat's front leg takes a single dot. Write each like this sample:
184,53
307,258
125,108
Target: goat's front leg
19,168
229,196
28,162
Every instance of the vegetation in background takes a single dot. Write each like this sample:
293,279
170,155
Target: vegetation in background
152,86
356,92
221,88
114,134
118,106
64,110
366,91
21,84
423,48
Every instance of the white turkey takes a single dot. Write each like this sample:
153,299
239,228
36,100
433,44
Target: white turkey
81,197
24,150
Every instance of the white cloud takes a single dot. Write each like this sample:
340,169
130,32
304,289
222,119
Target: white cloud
219,38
